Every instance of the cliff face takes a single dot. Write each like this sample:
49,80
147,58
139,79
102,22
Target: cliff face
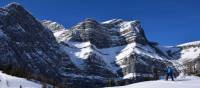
26,45
108,34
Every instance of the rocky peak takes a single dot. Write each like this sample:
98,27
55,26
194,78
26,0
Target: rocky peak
13,5
91,30
54,26
87,24
111,33
90,20
17,15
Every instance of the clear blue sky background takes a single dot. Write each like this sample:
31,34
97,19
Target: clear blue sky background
168,22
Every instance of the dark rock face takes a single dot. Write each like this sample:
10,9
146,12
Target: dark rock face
115,33
26,44
192,67
141,65
131,31
90,30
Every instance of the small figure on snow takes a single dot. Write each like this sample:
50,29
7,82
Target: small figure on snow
169,72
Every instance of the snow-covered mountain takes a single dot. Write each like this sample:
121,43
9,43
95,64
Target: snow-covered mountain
121,49
114,49
89,54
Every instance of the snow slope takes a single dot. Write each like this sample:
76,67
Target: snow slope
189,54
180,82
7,81
190,43
190,51
79,51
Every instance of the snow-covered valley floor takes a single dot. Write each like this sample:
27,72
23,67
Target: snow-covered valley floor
180,82
7,81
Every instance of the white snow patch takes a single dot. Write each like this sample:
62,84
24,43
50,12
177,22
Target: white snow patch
125,26
59,33
189,54
84,49
129,76
190,43
180,82
111,21
7,81
73,51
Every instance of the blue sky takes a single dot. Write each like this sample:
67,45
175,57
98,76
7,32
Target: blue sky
168,22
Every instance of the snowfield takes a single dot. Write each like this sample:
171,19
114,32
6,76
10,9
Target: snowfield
180,82
7,81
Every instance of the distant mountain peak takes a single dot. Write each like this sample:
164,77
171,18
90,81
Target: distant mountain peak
190,44
90,19
12,7
13,4
53,26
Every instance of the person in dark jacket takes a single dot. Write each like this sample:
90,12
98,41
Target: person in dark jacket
169,72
